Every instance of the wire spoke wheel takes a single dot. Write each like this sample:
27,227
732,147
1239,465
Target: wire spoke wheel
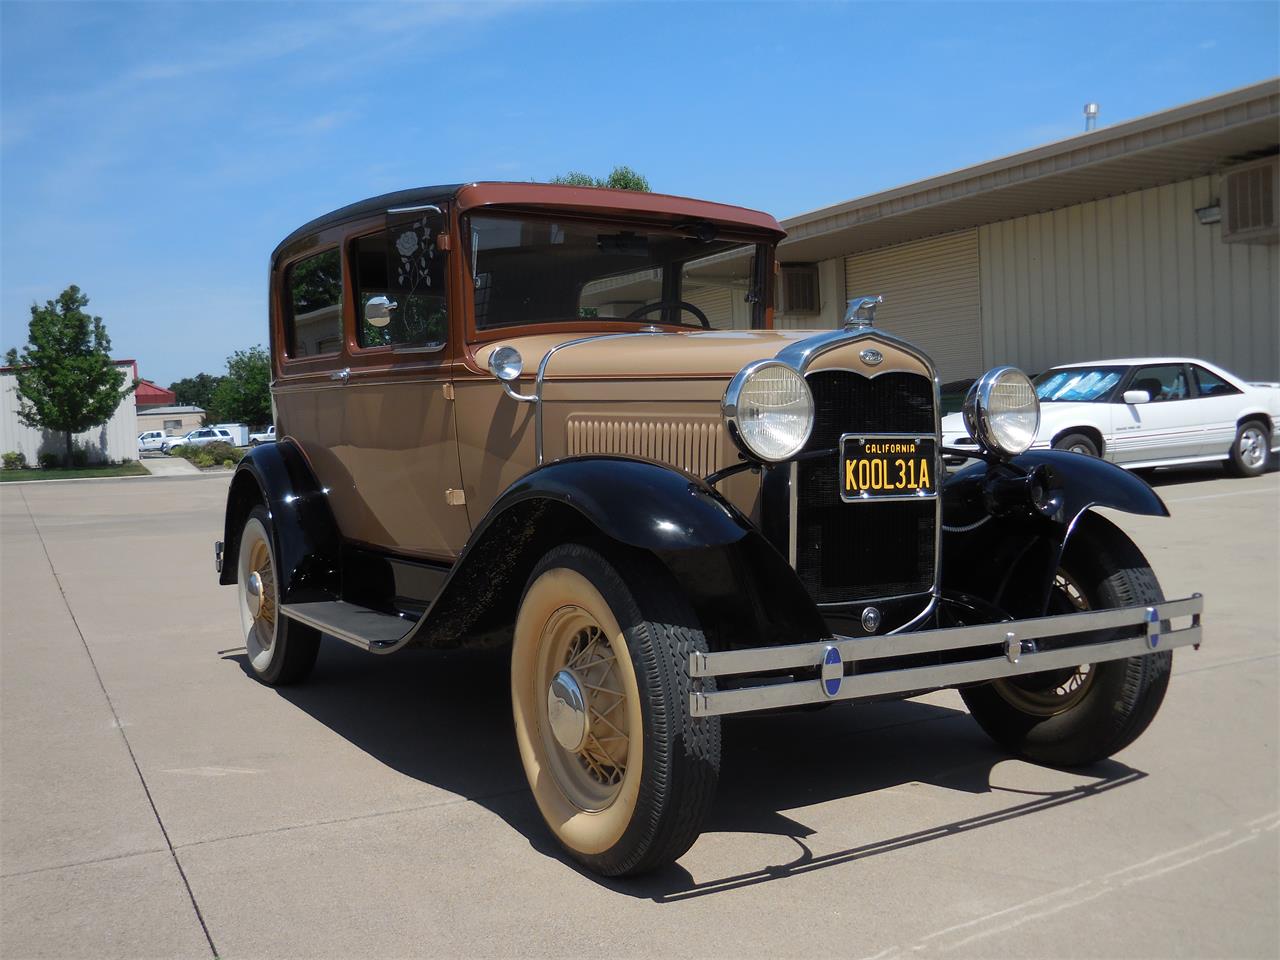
589,763
1052,692
259,599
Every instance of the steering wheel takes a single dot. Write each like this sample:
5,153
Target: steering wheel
640,311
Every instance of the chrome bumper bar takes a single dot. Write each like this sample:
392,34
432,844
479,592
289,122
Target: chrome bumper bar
1017,638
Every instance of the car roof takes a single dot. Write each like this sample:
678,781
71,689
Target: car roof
554,196
1129,362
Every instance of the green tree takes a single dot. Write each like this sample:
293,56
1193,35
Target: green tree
197,391
621,178
244,394
66,380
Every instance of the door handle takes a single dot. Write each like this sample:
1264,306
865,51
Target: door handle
343,375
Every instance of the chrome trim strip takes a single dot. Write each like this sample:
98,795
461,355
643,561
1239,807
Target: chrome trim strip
1019,657
855,649
421,208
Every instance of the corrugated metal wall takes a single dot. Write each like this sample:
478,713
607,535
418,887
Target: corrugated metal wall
1129,276
117,439
930,290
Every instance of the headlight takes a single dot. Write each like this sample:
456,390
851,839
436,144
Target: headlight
1002,411
769,410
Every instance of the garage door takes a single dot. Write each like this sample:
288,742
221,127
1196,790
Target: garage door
930,290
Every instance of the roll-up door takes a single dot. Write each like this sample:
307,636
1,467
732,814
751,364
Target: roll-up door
930,290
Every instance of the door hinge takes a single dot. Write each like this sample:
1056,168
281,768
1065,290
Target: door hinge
448,391
443,242
455,498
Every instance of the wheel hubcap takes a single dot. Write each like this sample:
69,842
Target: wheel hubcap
253,587
567,711
1252,448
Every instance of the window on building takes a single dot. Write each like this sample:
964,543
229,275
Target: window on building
798,290
313,324
173,424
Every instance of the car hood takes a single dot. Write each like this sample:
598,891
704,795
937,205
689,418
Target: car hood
711,353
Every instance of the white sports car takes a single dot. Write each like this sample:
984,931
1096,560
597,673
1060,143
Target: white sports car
1150,412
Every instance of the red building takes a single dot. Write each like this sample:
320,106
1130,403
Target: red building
149,395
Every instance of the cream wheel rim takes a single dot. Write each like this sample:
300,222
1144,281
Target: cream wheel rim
578,718
1060,690
259,603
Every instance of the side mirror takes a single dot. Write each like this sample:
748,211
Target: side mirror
377,312
1137,396
506,364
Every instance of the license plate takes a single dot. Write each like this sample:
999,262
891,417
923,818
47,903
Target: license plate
887,467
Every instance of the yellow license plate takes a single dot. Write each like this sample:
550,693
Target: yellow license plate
888,467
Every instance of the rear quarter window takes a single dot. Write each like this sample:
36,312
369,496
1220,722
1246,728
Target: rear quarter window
313,306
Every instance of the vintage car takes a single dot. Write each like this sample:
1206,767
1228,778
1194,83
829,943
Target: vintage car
560,420
1150,412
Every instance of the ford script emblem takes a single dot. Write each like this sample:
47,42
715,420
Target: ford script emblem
871,357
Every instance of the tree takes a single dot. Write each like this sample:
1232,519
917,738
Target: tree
197,391
244,394
66,380
621,178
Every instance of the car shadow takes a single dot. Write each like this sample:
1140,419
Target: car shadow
444,718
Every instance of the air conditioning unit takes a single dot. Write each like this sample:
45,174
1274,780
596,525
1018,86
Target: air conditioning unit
1251,202
798,290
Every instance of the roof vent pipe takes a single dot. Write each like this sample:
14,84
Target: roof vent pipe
1090,116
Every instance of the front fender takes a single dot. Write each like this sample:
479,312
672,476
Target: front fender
308,546
734,579
1007,553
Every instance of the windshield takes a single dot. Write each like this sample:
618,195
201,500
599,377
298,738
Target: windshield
529,270
1077,384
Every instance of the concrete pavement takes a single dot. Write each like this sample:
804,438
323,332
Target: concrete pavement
156,801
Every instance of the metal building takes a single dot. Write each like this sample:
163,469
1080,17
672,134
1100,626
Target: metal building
1153,236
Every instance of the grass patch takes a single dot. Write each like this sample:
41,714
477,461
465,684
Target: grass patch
57,473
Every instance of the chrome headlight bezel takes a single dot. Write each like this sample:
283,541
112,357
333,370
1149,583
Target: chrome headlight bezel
986,420
740,429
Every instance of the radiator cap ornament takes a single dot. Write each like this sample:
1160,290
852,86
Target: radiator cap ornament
861,312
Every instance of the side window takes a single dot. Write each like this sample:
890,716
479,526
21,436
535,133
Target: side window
404,265
1210,384
1163,383
313,324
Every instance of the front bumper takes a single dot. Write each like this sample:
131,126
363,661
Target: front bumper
846,665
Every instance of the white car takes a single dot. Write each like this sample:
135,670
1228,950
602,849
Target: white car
1150,412
198,438
152,440
268,436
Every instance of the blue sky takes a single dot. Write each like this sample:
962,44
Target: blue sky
154,154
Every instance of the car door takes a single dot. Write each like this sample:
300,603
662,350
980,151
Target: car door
1218,406
367,394
1163,428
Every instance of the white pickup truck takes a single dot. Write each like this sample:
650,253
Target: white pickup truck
268,437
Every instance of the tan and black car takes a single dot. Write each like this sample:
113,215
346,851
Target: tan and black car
560,420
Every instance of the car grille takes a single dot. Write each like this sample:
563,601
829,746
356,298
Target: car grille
847,552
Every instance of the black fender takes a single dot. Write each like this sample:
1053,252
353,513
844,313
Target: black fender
308,546
741,588
1005,525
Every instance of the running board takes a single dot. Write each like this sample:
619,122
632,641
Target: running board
367,629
